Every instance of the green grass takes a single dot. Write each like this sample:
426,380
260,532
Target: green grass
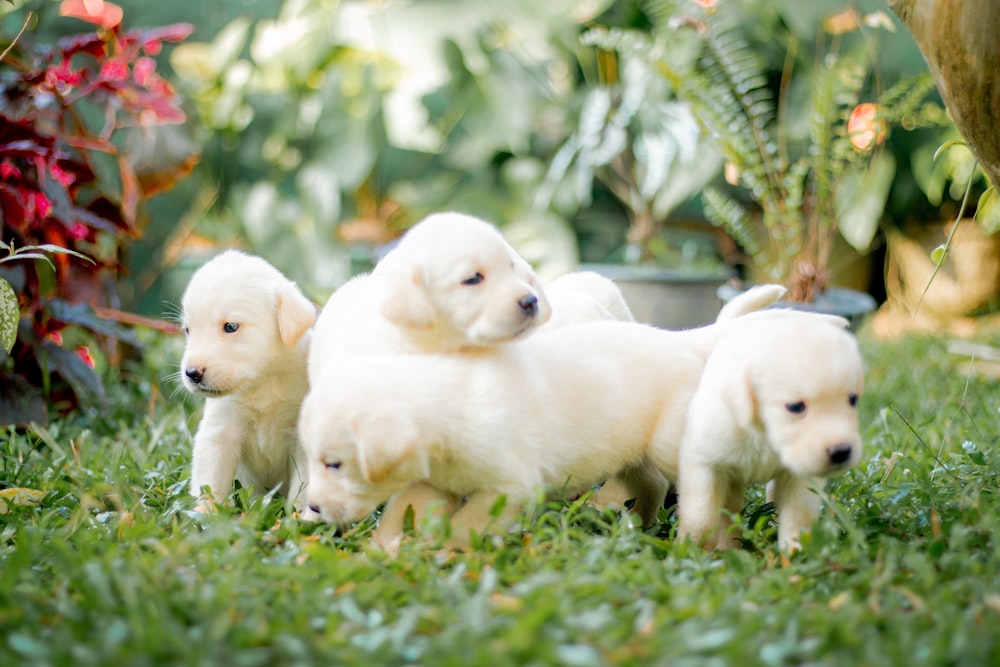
113,568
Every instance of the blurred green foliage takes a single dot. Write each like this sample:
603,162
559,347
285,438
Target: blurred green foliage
331,120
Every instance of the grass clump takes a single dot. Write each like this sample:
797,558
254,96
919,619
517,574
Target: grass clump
112,567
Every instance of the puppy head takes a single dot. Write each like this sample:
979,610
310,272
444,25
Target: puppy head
241,317
358,459
456,283
802,386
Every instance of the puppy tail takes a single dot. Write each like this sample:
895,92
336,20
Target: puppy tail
755,298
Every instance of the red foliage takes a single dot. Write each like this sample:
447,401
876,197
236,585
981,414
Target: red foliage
60,110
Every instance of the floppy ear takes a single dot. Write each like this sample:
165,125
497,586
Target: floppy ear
741,398
406,302
385,444
295,314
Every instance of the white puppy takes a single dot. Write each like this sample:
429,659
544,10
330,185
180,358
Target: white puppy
451,284
561,410
777,401
247,341
585,296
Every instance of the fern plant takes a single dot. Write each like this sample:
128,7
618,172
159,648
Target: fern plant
793,196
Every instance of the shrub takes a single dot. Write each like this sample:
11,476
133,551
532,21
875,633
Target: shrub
66,182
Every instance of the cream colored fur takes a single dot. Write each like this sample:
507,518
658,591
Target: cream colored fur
563,410
585,296
452,284
776,403
253,376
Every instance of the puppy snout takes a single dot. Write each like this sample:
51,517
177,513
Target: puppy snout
839,454
528,304
196,375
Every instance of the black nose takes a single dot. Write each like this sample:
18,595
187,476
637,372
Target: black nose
314,509
529,304
195,375
839,454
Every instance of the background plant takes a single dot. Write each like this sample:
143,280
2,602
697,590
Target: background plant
67,181
641,144
803,192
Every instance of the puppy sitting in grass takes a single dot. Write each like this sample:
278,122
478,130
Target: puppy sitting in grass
776,403
247,338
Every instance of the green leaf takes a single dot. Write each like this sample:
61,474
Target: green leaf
59,250
861,198
10,315
946,145
988,211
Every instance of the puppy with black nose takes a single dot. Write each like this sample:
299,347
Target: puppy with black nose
247,340
777,403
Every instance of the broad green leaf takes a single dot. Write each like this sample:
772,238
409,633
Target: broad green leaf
10,315
988,211
947,145
861,201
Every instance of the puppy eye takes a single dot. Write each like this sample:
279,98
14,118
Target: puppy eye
335,465
852,400
186,331
474,279
230,327
796,408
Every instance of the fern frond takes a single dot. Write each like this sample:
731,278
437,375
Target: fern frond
725,212
906,97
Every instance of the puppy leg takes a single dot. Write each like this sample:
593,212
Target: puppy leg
797,505
648,486
425,500
701,493
475,516
213,464
613,493
728,536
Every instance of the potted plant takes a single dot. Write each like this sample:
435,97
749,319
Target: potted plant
639,144
791,194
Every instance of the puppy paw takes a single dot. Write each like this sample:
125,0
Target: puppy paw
206,506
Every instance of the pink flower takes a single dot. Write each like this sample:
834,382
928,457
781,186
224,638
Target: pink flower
114,69
61,177
144,69
78,231
62,77
98,12
83,352
41,204
8,170
54,337
865,127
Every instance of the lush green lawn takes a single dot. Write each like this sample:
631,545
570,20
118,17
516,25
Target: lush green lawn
112,567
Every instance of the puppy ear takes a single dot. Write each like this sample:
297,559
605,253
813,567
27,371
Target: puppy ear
406,302
741,398
385,444
295,314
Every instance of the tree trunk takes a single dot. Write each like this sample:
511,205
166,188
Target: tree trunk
960,39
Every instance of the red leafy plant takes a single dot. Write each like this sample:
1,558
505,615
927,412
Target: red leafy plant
65,182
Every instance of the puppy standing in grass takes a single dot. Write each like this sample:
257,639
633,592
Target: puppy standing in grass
247,330
776,403
562,410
